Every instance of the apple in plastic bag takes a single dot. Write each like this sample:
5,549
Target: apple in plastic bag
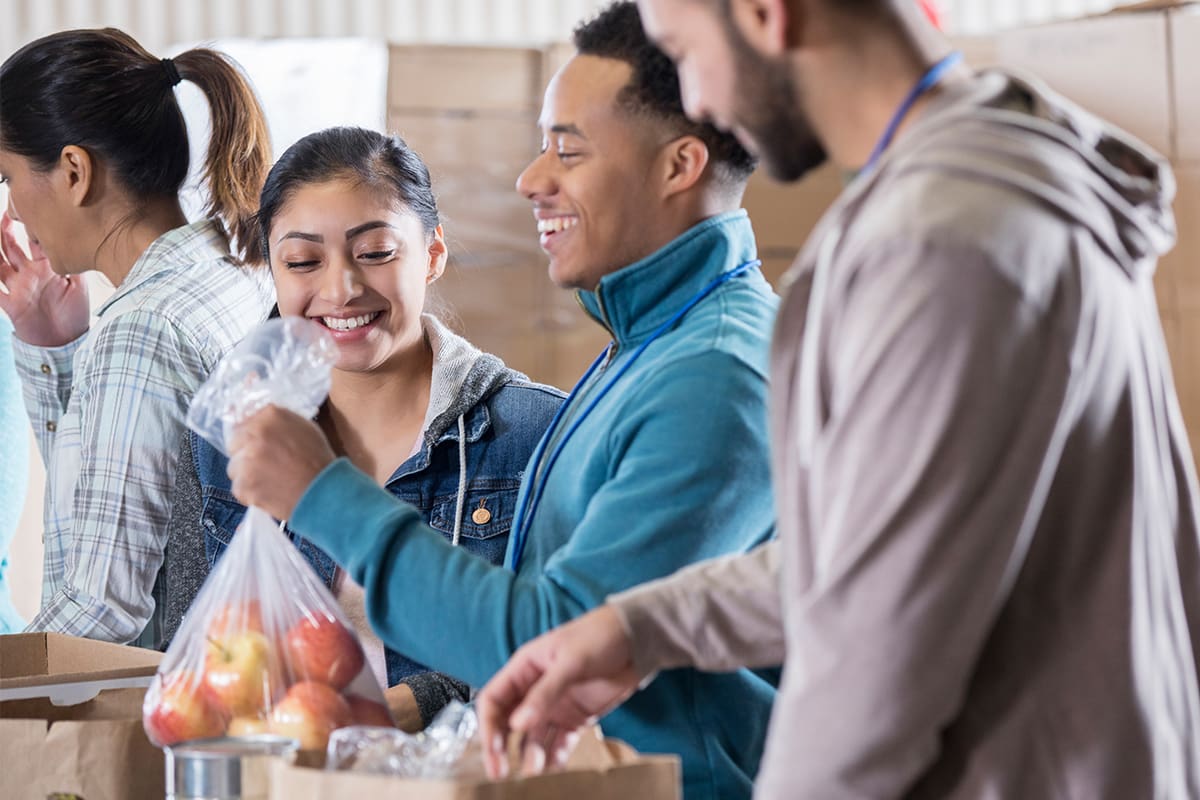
183,709
309,712
369,712
319,648
235,618
247,726
237,671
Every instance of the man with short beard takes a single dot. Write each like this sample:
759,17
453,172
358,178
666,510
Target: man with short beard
987,579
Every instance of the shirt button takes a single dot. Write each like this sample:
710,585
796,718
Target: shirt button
45,369
51,426
481,516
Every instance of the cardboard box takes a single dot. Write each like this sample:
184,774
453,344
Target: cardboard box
476,129
463,78
1117,66
1179,270
774,269
71,719
474,161
598,770
1185,52
784,215
1182,335
1150,90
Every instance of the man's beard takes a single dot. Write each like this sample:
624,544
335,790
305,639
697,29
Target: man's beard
768,113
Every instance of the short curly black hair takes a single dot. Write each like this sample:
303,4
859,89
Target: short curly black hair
616,32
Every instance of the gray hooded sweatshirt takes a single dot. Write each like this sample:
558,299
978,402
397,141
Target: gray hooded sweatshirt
986,582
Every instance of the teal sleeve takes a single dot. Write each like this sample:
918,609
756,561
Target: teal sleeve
689,480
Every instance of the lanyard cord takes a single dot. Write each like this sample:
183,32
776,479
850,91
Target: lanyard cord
535,491
927,82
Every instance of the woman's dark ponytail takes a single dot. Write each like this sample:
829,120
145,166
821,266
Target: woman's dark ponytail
104,92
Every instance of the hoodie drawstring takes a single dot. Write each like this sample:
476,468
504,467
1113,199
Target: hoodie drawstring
462,479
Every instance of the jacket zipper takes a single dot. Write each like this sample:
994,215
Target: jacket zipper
612,351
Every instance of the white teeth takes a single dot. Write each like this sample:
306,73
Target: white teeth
350,323
556,224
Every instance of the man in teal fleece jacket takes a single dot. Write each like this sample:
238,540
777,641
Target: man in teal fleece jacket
660,457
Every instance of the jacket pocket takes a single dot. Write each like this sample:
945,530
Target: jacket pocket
487,517
220,515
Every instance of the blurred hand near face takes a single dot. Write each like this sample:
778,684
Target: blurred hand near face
273,458
552,687
45,308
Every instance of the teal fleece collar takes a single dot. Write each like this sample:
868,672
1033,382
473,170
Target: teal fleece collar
635,300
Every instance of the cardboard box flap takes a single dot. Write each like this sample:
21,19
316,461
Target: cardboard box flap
640,777
49,659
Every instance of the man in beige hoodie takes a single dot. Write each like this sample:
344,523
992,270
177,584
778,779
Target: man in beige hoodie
986,582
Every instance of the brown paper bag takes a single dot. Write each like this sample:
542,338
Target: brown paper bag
96,750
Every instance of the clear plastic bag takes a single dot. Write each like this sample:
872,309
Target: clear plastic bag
284,362
265,647
442,750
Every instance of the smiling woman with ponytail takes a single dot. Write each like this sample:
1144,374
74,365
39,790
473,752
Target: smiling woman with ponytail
94,152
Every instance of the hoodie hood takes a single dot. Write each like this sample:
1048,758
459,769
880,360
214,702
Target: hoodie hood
1015,131
463,375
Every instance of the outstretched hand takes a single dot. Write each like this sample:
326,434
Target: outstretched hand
46,309
552,687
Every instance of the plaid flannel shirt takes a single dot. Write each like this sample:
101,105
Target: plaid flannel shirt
108,410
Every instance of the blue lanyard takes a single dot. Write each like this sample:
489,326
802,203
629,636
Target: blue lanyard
534,496
927,82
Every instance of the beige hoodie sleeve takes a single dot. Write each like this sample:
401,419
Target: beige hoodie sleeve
718,615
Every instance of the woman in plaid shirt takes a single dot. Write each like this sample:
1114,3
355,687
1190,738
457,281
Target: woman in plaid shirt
94,150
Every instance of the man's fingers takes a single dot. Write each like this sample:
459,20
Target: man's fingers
533,756
496,702
493,708
544,698
559,748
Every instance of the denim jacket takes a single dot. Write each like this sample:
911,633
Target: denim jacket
452,479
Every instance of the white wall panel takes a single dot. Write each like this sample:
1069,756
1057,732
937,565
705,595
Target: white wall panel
158,23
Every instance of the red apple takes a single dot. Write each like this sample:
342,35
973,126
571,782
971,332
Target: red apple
368,712
180,708
235,618
247,726
237,670
319,648
309,712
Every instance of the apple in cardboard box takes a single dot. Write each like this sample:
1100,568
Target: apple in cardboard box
309,712
179,708
319,648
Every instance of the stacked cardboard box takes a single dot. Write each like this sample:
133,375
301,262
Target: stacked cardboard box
474,125
1140,69
71,719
